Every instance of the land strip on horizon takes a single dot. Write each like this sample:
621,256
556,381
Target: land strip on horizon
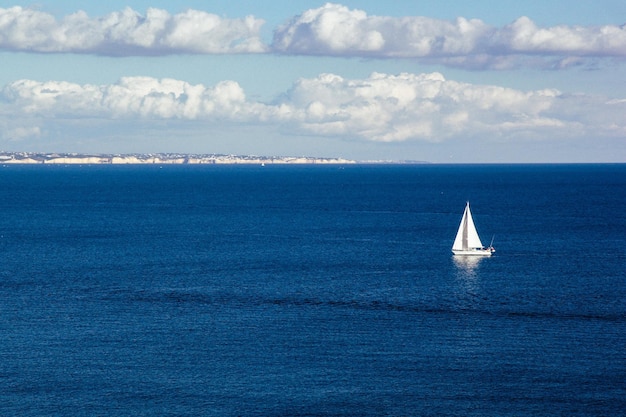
174,158
159,158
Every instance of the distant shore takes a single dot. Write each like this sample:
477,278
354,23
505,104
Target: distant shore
159,158
174,158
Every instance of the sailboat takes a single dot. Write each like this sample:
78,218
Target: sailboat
467,241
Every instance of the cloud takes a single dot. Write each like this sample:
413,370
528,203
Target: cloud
330,30
524,36
336,30
131,97
380,108
128,33
391,108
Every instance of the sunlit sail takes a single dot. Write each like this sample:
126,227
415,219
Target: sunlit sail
467,241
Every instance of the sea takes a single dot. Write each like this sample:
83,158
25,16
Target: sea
312,290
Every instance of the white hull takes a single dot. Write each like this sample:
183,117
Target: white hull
474,252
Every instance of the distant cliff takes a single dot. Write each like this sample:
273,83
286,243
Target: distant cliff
159,158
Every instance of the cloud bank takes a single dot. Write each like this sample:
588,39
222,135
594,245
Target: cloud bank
127,33
331,30
338,31
380,108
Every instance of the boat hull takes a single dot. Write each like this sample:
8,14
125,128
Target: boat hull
474,252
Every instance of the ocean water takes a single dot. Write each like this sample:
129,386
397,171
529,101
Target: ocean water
311,291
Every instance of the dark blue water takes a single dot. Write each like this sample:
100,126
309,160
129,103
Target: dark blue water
311,291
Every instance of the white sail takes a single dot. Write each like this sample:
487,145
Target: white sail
467,241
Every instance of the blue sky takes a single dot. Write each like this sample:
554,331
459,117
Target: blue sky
449,81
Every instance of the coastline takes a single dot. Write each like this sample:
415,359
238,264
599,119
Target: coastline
159,158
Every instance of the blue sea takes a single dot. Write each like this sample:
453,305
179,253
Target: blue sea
311,291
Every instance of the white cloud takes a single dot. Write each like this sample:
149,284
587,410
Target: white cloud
333,30
328,30
131,97
338,31
404,107
128,33
524,36
380,108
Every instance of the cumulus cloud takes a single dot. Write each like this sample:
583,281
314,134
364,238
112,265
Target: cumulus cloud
129,33
339,31
131,97
336,30
381,108
402,107
332,30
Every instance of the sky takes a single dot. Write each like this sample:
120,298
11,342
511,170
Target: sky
443,82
